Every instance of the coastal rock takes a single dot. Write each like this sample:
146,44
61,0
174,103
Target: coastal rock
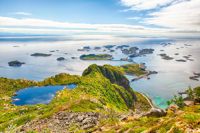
126,59
41,55
86,48
196,76
122,46
156,112
73,57
97,48
96,57
61,122
109,46
166,57
15,63
146,51
60,59
181,60
112,50
131,50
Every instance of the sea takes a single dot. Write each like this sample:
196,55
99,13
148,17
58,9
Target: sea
173,76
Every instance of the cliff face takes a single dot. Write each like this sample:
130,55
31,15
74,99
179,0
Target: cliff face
113,74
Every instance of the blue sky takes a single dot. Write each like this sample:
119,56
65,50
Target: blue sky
153,17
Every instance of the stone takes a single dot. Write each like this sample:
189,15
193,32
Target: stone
156,112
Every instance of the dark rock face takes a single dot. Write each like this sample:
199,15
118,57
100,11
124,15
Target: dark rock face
15,63
115,77
60,59
41,55
62,121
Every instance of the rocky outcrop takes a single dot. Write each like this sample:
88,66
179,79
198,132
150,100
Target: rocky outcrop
62,121
60,59
96,57
115,77
15,63
41,55
156,112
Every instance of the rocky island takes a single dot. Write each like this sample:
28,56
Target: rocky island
41,55
15,63
166,57
96,57
60,59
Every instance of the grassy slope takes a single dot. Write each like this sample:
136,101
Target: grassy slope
183,121
99,90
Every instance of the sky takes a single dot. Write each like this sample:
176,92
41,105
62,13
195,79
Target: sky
147,18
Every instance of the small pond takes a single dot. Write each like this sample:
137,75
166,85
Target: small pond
38,95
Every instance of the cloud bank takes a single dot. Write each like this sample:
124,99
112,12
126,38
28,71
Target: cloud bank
176,15
163,18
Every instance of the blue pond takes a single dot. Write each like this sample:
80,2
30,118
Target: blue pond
38,95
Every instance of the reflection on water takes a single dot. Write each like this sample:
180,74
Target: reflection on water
172,76
36,95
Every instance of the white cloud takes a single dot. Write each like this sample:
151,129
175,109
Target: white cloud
181,16
23,13
41,26
145,4
176,15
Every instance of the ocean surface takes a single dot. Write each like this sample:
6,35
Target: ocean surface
172,77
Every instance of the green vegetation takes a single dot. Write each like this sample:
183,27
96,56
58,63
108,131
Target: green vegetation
192,95
133,69
100,88
178,100
96,57
103,90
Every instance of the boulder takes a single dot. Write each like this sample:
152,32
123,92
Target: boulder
156,112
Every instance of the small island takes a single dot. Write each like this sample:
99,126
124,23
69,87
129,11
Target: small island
60,59
15,63
41,55
96,57
166,57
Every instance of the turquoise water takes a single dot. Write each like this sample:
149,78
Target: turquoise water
38,95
